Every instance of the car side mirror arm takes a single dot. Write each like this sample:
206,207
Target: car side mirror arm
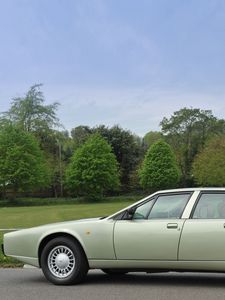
131,212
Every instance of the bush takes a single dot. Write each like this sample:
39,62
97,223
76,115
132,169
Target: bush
93,169
159,169
209,165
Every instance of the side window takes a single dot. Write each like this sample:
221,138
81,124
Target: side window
142,211
169,206
210,206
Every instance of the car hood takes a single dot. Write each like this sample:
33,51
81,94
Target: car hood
64,223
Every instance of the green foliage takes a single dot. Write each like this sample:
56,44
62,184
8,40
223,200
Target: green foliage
159,169
93,169
30,201
80,134
58,153
127,148
22,165
209,164
187,131
30,113
151,137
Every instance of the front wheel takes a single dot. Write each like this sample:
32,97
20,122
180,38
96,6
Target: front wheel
63,261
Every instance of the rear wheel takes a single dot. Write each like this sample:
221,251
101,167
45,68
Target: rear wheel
114,271
63,261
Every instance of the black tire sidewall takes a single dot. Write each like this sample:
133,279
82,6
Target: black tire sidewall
81,266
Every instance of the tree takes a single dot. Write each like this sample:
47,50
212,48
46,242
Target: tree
151,137
31,114
22,165
80,134
187,131
59,152
93,169
209,164
127,148
159,169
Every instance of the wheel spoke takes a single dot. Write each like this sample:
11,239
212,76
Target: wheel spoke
61,261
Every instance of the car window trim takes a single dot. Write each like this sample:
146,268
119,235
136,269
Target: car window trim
190,193
143,203
123,213
197,201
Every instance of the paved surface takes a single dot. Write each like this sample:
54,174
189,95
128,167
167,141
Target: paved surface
29,284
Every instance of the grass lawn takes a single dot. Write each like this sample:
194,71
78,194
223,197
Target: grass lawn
23,217
27,201
20,217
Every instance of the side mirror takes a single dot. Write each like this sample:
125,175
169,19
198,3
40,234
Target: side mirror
131,212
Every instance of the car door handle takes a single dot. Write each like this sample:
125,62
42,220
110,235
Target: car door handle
172,225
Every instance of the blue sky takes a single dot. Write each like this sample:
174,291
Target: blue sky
115,61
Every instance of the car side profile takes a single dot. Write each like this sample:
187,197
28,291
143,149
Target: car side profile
170,230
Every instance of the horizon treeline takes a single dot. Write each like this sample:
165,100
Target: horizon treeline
39,157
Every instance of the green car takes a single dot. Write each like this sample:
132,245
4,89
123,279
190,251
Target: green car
170,230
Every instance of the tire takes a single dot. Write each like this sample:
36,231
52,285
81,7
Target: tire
114,272
63,261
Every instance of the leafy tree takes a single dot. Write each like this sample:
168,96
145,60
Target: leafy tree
22,165
151,137
31,114
159,169
187,131
126,146
57,155
209,164
80,134
93,169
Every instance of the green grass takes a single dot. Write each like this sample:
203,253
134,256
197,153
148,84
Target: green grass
24,217
59,201
20,217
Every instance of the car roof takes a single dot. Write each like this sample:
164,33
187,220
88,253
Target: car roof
194,189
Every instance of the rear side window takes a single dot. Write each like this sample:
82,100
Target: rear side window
210,206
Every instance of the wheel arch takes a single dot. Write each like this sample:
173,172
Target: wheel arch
51,236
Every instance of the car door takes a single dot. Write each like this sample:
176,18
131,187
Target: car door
203,235
154,231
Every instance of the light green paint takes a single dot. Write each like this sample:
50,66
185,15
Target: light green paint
171,244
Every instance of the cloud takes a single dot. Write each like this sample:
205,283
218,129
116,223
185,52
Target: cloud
137,109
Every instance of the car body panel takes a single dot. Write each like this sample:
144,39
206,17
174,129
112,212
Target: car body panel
203,240
90,234
147,239
135,244
154,265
